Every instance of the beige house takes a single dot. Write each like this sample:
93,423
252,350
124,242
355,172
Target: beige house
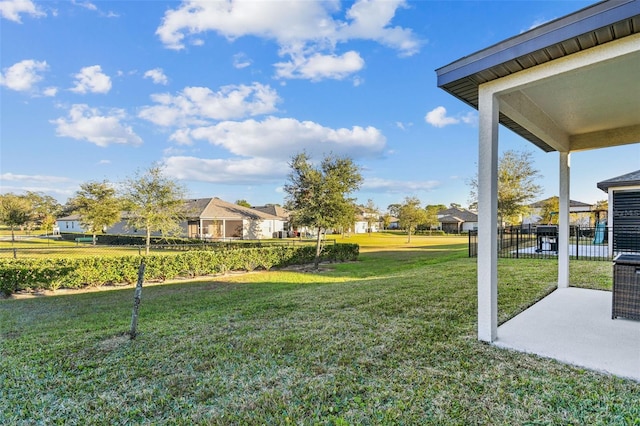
208,219
213,219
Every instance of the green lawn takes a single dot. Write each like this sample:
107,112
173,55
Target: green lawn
389,339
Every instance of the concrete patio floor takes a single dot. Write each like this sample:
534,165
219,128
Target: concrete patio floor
574,326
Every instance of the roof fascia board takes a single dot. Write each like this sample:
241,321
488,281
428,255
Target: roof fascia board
614,137
579,23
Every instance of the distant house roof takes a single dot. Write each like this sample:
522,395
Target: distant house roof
70,217
456,215
450,219
572,204
629,179
273,210
462,214
215,208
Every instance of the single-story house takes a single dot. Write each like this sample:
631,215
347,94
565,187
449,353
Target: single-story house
208,218
580,213
213,218
69,223
455,220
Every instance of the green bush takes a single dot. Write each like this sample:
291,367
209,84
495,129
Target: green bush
50,274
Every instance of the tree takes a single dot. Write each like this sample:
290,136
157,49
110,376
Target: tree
411,215
386,220
45,210
394,209
97,205
318,196
154,203
15,211
243,203
517,186
371,214
431,218
549,211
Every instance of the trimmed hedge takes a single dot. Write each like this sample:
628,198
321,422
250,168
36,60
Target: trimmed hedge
51,274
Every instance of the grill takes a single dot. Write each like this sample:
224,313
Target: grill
547,237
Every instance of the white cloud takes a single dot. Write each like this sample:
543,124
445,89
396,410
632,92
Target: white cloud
197,105
50,91
240,61
281,137
11,177
92,80
229,171
84,123
24,75
319,67
438,118
370,20
157,75
306,31
86,5
398,186
11,9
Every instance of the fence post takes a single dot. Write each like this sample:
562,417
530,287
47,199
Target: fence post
577,242
518,243
136,301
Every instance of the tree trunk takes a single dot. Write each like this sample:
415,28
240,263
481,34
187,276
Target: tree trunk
93,239
136,302
148,242
409,232
316,262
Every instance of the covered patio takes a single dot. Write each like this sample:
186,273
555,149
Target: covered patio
565,86
574,325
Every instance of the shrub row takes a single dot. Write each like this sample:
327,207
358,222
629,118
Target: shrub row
51,274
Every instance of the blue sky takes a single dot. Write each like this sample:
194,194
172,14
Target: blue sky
224,93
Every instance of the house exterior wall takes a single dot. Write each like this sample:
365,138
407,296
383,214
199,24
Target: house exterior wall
469,226
69,226
261,229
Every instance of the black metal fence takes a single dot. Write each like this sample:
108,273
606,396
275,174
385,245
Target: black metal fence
587,243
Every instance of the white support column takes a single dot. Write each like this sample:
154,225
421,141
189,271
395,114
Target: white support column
563,222
488,216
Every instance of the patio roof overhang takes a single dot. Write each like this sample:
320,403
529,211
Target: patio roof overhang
573,81
568,85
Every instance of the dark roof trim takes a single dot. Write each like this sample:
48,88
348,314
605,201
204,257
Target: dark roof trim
574,25
629,179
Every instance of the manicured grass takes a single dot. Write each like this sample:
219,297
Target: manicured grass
389,339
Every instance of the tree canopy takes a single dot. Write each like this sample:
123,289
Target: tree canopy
431,216
318,195
517,187
411,215
154,203
15,211
97,205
